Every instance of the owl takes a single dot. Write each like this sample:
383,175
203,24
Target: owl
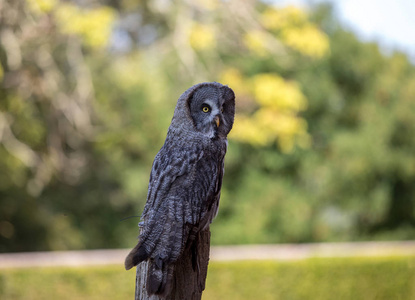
185,182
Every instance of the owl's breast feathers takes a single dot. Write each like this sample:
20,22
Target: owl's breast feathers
182,199
189,171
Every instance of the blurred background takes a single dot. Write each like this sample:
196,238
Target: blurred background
323,144
322,150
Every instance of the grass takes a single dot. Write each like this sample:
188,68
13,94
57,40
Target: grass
336,278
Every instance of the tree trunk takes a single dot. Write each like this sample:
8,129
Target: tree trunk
187,283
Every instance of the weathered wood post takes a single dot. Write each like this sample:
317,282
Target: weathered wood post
188,284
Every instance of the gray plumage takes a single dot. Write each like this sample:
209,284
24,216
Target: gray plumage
185,182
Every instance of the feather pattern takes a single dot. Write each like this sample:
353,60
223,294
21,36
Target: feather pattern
185,183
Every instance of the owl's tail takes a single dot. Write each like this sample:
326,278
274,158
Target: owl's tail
159,274
137,255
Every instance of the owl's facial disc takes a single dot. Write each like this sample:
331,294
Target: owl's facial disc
211,108
208,110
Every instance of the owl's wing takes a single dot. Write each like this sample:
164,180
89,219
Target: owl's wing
183,196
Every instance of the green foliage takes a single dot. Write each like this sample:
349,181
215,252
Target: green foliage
67,283
346,278
322,147
355,181
385,278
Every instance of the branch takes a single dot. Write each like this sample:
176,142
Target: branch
15,147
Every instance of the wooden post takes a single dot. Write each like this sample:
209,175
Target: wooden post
187,283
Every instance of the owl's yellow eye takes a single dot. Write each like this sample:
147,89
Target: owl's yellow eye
205,109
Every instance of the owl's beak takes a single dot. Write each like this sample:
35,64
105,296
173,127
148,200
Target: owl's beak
217,121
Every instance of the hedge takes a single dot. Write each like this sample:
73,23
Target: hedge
322,278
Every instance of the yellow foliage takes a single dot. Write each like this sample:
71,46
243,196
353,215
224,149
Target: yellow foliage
308,40
208,4
272,91
1,72
266,126
283,127
234,79
275,118
246,130
279,123
256,41
290,24
277,102
202,37
94,26
288,16
41,6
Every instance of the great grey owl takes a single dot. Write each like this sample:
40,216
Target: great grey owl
185,181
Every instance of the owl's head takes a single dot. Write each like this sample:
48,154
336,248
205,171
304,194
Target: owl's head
211,107
206,108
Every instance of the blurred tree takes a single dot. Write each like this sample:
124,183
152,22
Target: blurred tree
322,147
47,122
355,182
